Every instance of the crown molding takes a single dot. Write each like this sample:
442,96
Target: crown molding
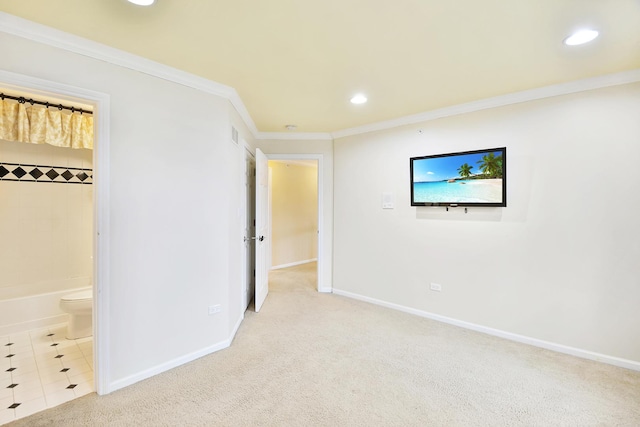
30,30
575,86
294,136
20,27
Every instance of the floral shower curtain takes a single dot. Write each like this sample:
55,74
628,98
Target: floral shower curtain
37,124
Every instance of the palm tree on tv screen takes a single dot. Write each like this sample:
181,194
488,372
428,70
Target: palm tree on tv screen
465,170
491,165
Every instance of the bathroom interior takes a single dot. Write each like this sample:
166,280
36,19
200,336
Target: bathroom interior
46,260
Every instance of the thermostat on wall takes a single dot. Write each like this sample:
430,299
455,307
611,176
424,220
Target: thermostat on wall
387,201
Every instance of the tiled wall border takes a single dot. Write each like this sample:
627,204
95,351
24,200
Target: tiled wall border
40,173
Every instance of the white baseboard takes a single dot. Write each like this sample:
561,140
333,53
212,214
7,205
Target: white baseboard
116,385
584,354
148,373
293,264
235,328
325,290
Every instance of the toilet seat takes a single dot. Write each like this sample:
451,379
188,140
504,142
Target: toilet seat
78,296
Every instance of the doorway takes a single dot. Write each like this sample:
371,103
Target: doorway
98,216
300,236
293,212
248,224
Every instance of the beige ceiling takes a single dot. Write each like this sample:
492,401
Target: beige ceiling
299,61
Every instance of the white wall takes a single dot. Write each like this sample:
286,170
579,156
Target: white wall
172,200
559,264
294,213
325,148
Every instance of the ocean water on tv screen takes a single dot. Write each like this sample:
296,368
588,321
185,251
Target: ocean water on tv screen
459,191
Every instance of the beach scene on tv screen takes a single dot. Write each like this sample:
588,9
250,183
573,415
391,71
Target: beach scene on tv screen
463,178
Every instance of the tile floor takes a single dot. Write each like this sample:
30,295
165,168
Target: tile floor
40,369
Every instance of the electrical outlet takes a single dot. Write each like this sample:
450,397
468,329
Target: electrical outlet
436,287
215,309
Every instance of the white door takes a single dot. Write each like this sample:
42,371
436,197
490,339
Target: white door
262,228
249,228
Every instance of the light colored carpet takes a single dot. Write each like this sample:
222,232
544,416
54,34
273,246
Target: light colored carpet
310,359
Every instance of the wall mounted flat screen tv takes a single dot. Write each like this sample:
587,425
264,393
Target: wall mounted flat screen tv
469,178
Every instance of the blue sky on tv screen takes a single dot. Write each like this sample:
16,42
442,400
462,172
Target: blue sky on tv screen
443,168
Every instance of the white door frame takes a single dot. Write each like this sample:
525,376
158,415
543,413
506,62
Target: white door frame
101,105
320,159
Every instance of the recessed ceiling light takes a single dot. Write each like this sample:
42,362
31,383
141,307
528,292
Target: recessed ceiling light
359,99
581,37
142,2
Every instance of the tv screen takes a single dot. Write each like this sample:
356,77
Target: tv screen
470,178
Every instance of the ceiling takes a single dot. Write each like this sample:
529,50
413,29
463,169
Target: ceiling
300,61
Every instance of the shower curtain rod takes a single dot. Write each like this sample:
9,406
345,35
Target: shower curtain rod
23,100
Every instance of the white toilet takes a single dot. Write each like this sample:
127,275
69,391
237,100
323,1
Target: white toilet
79,305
